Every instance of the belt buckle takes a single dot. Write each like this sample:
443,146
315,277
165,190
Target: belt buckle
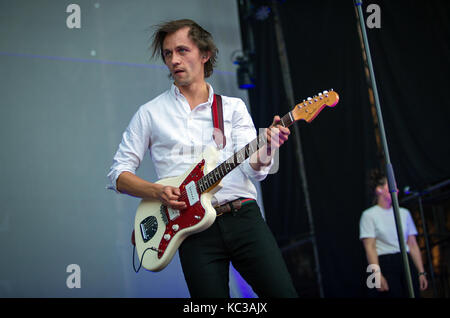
218,214
233,210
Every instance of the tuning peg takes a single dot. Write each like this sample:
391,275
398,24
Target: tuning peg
320,94
325,92
332,90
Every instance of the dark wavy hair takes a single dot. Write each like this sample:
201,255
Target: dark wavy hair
202,38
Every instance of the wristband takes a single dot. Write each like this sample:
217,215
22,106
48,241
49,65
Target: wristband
423,273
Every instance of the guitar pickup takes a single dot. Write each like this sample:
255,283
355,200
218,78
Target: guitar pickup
192,194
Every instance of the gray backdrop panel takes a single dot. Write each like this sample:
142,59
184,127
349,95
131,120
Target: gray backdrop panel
66,97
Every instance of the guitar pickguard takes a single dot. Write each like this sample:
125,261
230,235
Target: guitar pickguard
181,219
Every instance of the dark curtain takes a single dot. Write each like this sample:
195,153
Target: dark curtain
411,58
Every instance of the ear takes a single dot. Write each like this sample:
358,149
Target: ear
205,56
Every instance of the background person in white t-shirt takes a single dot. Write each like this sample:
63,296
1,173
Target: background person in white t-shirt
379,236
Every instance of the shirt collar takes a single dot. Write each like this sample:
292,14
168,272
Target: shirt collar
176,92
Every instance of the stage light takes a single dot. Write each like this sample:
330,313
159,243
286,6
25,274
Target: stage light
244,72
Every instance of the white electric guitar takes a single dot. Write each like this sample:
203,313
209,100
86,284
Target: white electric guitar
159,230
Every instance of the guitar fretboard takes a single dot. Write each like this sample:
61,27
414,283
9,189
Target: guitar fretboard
210,179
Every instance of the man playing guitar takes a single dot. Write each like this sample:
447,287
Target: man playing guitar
170,127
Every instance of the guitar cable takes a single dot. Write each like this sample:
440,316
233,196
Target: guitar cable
142,258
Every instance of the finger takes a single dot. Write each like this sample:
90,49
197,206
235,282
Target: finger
284,130
276,119
282,136
178,205
171,198
176,191
280,131
424,284
277,139
172,193
269,135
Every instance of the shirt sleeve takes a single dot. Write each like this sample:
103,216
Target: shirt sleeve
366,227
129,155
410,226
244,132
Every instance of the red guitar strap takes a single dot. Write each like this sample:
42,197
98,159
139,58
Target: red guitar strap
217,115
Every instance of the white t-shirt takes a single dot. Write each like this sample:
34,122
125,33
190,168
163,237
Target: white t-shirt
379,223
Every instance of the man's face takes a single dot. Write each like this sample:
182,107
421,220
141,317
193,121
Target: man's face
183,58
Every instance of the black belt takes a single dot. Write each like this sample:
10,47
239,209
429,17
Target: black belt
232,205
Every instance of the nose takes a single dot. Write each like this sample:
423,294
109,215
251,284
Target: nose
175,59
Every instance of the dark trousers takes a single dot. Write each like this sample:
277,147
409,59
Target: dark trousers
243,238
391,266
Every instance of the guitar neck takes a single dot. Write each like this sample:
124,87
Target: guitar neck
213,177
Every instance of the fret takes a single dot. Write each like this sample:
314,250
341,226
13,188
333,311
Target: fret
197,187
234,160
217,174
250,146
204,188
288,121
254,145
261,141
240,158
291,119
247,151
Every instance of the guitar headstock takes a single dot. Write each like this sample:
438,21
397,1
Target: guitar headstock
311,107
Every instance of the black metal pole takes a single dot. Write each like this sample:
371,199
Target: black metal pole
427,245
389,169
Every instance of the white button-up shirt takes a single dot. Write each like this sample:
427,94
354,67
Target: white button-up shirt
176,136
